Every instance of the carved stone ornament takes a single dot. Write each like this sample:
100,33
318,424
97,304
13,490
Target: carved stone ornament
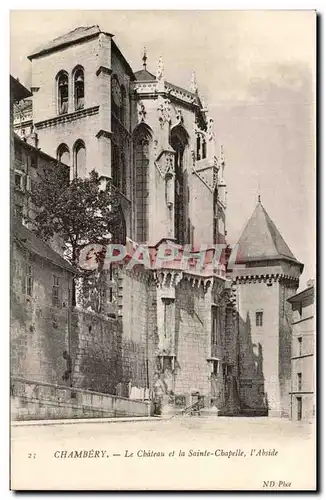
164,111
179,116
193,83
160,70
210,129
141,111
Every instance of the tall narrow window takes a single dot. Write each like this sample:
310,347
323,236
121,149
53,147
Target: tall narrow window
123,109
198,141
79,89
116,99
259,318
56,291
168,315
80,159
28,280
116,177
63,92
299,346
299,379
63,154
141,151
179,141
203,148
215,325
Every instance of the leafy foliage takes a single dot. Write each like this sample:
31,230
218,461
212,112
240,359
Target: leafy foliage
79,212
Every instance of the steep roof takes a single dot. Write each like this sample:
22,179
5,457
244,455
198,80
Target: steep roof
261,240
78,34
35,245
144,75
17,90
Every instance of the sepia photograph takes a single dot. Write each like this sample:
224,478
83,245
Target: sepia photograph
163,250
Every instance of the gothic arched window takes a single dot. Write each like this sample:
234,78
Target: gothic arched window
179,141
79,88
63,154
80,159
142,140
116,99
62,92
123,109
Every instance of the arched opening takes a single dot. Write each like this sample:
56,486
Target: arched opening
116,98
142,141
80,159
63,154
79,88
62,92
179,141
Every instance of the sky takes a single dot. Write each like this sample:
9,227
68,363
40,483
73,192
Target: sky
256,72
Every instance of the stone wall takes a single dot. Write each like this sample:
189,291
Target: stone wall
192,338
285,336
39,330
32,400
139,338
259,347
95,351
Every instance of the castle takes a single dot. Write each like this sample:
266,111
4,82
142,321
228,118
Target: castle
223,334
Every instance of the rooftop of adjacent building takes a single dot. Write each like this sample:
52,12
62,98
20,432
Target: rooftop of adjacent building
36,246
262,241
34,150
17,90
308,294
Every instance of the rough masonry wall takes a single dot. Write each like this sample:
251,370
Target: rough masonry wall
192,340
139,338
96,352
39,331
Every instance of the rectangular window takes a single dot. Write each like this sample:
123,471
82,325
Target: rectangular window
299,346
28,281
56,291
215,325
215,367
299,379
259,318
19,181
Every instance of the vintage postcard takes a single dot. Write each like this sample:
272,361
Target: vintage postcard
162,185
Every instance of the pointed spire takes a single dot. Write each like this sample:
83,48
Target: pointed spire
222,155
259,201
145,59
193,83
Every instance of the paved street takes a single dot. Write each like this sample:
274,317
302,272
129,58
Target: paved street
233,451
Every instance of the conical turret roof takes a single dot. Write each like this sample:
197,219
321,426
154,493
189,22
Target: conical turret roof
261,240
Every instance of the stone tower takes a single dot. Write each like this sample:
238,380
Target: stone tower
82,107
266,276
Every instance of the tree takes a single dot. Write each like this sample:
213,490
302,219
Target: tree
79,212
